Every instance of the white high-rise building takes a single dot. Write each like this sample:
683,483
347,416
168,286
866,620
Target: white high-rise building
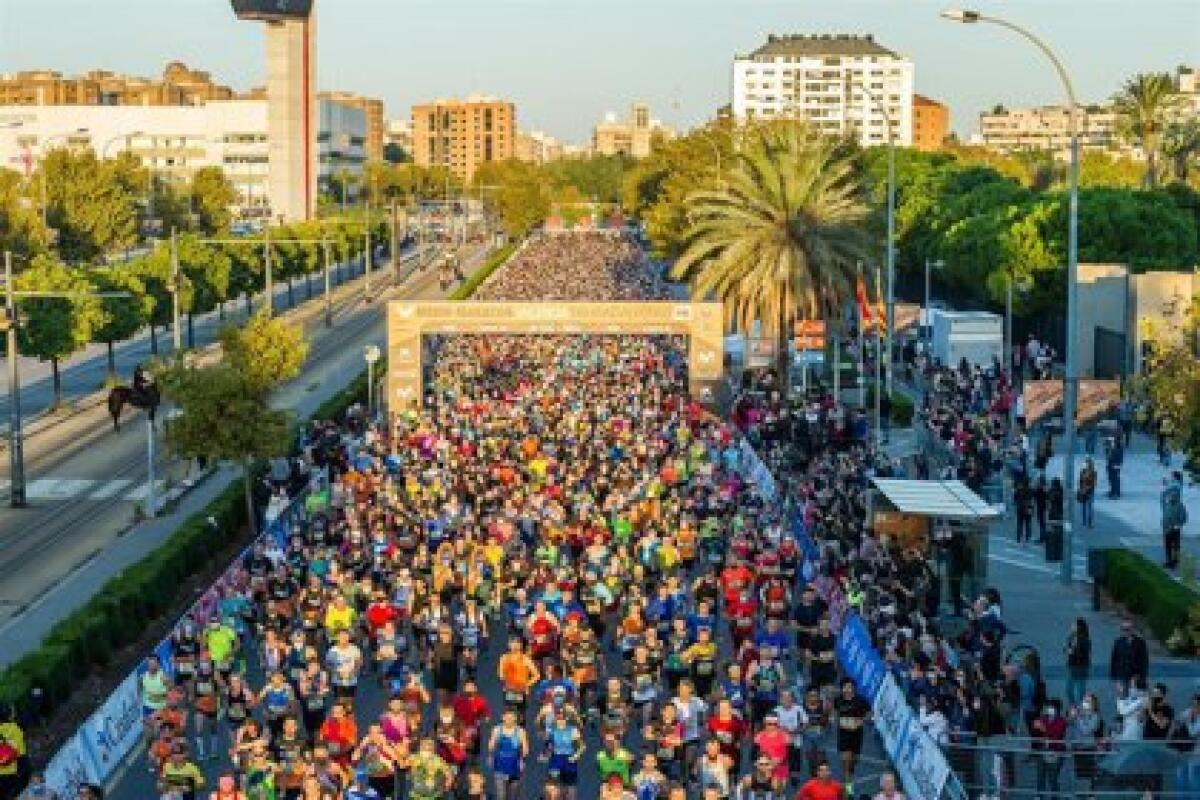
172,142
842,84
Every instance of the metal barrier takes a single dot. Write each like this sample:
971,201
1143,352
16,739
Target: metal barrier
96,752
1015,767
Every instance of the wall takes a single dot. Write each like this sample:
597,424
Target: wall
1103,303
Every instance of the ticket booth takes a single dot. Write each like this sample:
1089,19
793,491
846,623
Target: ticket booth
945,521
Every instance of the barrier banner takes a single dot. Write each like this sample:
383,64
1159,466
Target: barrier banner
859,659
757,472
922,765
70,769
892,715
115,729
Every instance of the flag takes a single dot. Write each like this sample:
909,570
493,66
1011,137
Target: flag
864,302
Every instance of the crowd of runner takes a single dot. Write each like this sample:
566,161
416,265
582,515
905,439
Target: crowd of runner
577,266
555,581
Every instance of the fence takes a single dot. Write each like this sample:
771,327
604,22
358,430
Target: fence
101,745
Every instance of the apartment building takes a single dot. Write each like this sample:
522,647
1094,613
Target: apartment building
931,123
631,136
844,85
464,134
372,107
173,141
537,147
1046,128
178,86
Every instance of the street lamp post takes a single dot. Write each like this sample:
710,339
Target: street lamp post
1071,378
328,296
891,229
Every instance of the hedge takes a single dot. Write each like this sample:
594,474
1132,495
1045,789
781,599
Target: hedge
468,287
903,408
1148,591
138,597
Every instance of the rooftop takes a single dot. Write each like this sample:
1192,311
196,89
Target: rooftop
823,44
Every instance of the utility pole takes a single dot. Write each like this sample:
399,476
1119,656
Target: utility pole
16,445
367,263
328,293
394,247
176,287
269,285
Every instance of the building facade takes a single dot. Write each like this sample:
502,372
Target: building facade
400,134
1046,128
372,107
175,141
179,86
842,84
632,136
931,123
537,147
464,134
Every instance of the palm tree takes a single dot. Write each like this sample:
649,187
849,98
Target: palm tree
1181,144
1143,107
782,233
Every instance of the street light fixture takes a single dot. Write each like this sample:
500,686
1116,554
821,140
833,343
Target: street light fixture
891,228
1071,378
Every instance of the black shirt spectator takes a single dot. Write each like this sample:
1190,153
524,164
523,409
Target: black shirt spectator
1130,658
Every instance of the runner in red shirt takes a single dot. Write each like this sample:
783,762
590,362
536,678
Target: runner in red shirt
727,728
822,787
734,579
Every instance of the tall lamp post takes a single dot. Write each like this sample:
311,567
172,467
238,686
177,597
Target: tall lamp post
891,229
1071,379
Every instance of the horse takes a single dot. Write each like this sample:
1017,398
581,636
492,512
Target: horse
121,395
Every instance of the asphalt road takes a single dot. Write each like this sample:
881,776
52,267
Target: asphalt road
85,479
87,371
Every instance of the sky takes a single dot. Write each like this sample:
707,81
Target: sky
567,62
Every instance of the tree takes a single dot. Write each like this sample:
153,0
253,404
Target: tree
119,317
782,234
267,350
395,154
1172,384
522,198
21,228
213,195
1143,106
1181,144
224,415
208,269
56,327
157,275
91,203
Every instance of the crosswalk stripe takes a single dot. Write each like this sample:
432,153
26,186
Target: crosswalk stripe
110,489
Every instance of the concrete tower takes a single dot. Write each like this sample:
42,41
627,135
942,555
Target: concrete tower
291,103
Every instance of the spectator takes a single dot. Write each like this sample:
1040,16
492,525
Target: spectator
1174,517
1023,505
1050,730
1079,661
1041,498
13,755
1087,735
1130,658
887,788
1160,716
1132,703
1086,493
1115,457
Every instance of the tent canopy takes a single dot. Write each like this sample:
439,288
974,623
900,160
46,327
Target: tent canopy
941,499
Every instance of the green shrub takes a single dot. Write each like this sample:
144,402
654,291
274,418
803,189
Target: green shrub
468,287
1148,591
138,597
903,408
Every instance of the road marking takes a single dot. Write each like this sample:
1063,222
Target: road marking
110,489
56,488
